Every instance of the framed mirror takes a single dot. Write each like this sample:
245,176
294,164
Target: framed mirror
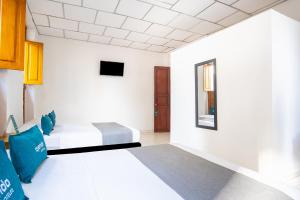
206,95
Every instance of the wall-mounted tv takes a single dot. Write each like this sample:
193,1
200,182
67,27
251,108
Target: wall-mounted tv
111,68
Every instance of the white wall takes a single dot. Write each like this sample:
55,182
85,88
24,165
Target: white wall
11,95
3,100
244,91
14,82
75,90
281,151
29,104
258,94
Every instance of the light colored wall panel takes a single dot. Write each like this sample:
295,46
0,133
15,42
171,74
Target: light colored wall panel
244,84
75,90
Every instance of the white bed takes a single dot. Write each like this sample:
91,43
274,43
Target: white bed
119,174
107,175
69,135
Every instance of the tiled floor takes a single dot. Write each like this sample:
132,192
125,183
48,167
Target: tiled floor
148,139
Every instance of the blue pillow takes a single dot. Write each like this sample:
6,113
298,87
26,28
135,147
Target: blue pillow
52,116
47,125
10,186
27,151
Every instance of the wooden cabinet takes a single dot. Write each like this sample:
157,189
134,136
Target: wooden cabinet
12,34
33,63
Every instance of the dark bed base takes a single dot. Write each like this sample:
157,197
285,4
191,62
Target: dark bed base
94,148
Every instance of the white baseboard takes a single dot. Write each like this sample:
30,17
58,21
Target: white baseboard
293,175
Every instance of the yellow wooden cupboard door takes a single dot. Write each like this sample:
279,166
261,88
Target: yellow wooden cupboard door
33,63
12,34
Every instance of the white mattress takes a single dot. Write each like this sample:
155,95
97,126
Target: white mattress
66,136
107,175
73,135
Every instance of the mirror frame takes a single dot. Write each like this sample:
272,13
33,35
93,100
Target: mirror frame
215,127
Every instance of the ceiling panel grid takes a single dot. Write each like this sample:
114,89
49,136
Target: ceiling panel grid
152,25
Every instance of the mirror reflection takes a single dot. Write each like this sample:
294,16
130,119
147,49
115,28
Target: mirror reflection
206,95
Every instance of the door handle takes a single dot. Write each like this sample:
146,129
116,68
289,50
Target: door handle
155,113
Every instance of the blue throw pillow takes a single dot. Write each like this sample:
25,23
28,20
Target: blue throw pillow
27,151
47,125
52,116
10,186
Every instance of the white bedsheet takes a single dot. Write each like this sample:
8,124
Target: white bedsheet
69,135
107,175
73,135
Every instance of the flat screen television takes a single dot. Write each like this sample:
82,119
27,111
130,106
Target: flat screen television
111,68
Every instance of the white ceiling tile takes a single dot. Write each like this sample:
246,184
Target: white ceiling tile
76,35
204,28
117,33
193,38
74,2
192,7
179,35
50,31
99,39
158,30
170,29
168,50
158,41
160,15
169,1
138,45
216,12
79,13
184,22
136,25
40,19
159,3
157,48
175,44
133,8
91,28
233,19
46,7
109,19
138,37
282,3
120,42
63,23
228,2
105,5
251,6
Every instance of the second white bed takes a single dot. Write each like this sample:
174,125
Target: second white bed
67,135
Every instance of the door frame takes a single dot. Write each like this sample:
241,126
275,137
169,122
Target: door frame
156,130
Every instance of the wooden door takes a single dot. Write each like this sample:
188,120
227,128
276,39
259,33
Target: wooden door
161,99
12,34
33,63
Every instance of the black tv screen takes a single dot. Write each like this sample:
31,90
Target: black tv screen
111,68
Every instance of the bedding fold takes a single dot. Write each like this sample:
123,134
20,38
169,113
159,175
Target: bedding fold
114,133
195,178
